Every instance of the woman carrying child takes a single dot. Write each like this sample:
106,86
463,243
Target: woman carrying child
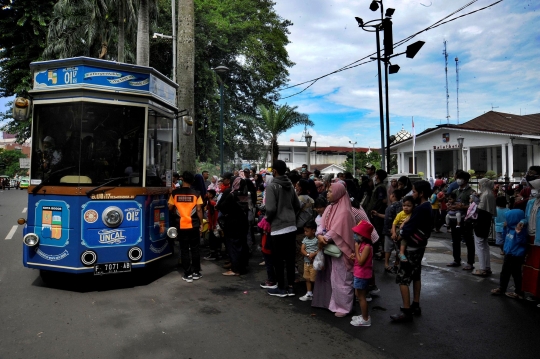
363,270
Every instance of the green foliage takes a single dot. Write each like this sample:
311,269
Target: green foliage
421,174
361,159
10,158
491,175
23,25
275,121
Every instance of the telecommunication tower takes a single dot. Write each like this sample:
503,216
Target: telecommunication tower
457,88
446,72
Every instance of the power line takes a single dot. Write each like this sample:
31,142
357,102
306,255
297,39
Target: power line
397,44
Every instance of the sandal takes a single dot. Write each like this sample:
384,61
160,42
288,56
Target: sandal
513,295
230,273
480,273
389,269
468,267
496,291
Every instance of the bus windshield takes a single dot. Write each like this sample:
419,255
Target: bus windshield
86,143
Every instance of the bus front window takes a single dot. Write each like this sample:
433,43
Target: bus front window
87,143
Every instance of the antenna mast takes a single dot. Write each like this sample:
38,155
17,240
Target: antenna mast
457,88
446,71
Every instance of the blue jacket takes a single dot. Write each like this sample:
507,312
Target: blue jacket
528,218
500,219
515,243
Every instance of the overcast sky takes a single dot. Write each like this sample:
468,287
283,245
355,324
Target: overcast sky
498,50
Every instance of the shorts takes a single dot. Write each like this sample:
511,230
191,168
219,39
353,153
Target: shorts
361,283
389,244
310,273
412,269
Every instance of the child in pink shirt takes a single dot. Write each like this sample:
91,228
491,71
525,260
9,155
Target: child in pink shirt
363,270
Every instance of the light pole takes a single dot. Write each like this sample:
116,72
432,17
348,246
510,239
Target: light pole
353,158
308,142
315,151
460,144
385,24
221,70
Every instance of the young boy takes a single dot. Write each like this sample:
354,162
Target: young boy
452,211
309,250
390,214
319,206
401,218
212,215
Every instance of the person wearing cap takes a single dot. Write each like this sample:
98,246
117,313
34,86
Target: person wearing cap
363,270
370,170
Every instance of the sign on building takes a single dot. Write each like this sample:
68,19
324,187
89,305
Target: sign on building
24,162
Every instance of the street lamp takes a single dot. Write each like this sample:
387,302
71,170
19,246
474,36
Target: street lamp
353,158
221,70
385,24
376,28
460,144
308,142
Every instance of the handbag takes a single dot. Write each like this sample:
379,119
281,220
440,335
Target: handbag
332,250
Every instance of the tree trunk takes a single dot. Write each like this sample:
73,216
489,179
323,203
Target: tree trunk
275,151
121,32
185,75
143,34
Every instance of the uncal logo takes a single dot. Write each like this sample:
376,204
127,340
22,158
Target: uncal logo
111,236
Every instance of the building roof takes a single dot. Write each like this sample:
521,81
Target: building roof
344,149
495,122
402,135
322,167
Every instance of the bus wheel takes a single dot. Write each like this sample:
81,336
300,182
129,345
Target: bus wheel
47,276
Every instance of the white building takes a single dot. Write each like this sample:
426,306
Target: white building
328,158
505,143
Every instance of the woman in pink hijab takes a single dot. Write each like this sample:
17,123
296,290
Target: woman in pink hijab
334,284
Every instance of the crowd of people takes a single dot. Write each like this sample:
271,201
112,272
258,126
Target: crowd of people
329,230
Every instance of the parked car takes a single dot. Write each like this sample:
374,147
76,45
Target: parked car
25,182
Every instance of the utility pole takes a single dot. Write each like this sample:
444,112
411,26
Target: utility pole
446,72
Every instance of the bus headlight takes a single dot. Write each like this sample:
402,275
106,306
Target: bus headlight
31,240
88,258
112,216
172,232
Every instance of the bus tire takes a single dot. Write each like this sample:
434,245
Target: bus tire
47,276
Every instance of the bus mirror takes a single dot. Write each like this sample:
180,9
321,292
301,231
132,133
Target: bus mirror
21,109
187,125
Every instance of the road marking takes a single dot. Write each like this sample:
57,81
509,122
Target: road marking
24,210
11,232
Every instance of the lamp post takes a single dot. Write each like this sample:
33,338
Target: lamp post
353,158
460,144
385,24
221,70
308,142
315,152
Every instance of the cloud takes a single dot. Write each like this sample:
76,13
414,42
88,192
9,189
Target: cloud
497,50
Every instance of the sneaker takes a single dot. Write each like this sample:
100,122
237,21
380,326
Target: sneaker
268,285
415,308
374,289
368,298
404,316
187,278
360,322
290,292
276,292
211,257
197,275
306,297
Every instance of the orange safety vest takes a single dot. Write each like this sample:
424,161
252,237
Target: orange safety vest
185,200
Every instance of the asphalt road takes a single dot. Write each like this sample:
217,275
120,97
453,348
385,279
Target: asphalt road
155,314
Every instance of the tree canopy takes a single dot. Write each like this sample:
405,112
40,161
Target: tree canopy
247,36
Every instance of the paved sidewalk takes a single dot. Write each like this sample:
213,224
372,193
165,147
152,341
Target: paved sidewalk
439,254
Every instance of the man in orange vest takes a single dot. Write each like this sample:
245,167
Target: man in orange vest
188,204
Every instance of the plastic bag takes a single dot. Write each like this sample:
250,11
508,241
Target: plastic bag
318,261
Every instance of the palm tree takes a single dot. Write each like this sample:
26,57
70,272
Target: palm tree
143,34
277,121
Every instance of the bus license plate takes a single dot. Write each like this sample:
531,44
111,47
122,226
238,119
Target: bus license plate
111,268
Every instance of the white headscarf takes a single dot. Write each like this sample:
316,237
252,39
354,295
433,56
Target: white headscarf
487,199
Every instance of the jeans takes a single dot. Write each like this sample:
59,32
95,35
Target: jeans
189,240
511,267
283,256
465,230
270,273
